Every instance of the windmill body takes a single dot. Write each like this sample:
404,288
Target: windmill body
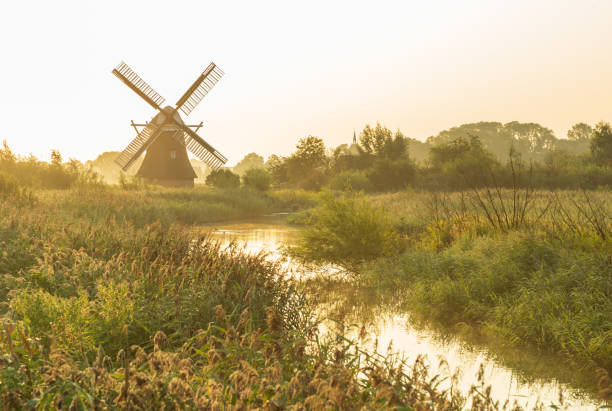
166,161
166,138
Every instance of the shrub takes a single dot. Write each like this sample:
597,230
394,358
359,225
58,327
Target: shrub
346,230
223,178
257,178
10,189
350,180
391,175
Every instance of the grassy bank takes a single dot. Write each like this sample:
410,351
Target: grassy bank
527,267
104,309
170,205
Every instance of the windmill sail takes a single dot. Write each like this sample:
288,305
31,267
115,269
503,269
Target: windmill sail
142,141
199,88
199,147
133,81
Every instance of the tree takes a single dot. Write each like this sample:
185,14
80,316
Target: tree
223,178
311,152
306,167
580,132
493,135
277,166
462,161
257,178
56,158
386,174
601,144
251,160
537,138
381,142
529,139
373,139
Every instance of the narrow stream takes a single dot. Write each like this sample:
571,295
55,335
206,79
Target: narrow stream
533,380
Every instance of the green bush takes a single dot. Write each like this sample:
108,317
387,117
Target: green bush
388,175
11,189
223,178
346,230
350,180
257,178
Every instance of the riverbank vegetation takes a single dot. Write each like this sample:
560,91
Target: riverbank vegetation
107,310
530,267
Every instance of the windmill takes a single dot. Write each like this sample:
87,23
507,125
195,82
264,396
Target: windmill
166,137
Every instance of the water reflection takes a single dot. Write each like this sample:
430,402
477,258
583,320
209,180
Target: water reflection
385,324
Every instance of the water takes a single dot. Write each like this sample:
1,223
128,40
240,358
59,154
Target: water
533,378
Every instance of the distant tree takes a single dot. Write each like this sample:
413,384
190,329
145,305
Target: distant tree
386,174
277,166
6,155
257,178
580,132
373,139
381,142
306,167
463,161
419,150
311,152
601,144
56,158
529,139
537,138
223,178
251,160
493,135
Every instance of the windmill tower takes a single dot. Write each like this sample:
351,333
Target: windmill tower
166,137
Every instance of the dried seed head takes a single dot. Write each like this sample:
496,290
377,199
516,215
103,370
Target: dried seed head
273,320
159,340
220,312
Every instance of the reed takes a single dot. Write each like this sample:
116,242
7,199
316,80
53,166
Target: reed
103,310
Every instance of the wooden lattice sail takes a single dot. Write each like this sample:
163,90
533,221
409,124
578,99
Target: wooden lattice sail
166,138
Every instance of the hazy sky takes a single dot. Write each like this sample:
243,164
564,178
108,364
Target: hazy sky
323,68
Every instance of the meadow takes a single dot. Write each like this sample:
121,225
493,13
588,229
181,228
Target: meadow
108,301
527,267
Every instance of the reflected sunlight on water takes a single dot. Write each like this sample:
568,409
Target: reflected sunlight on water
270,233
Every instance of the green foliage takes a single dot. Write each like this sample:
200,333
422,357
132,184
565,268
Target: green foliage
350,180
250,161
381,142
346,230
307,167
56,175
10,189
462,163
391,175
127,182
528,266
223,178
521,288
257,178
580,132
601,144
105,313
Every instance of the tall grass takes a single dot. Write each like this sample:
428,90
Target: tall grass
102,310
531,267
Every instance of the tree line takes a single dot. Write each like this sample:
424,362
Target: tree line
469,155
